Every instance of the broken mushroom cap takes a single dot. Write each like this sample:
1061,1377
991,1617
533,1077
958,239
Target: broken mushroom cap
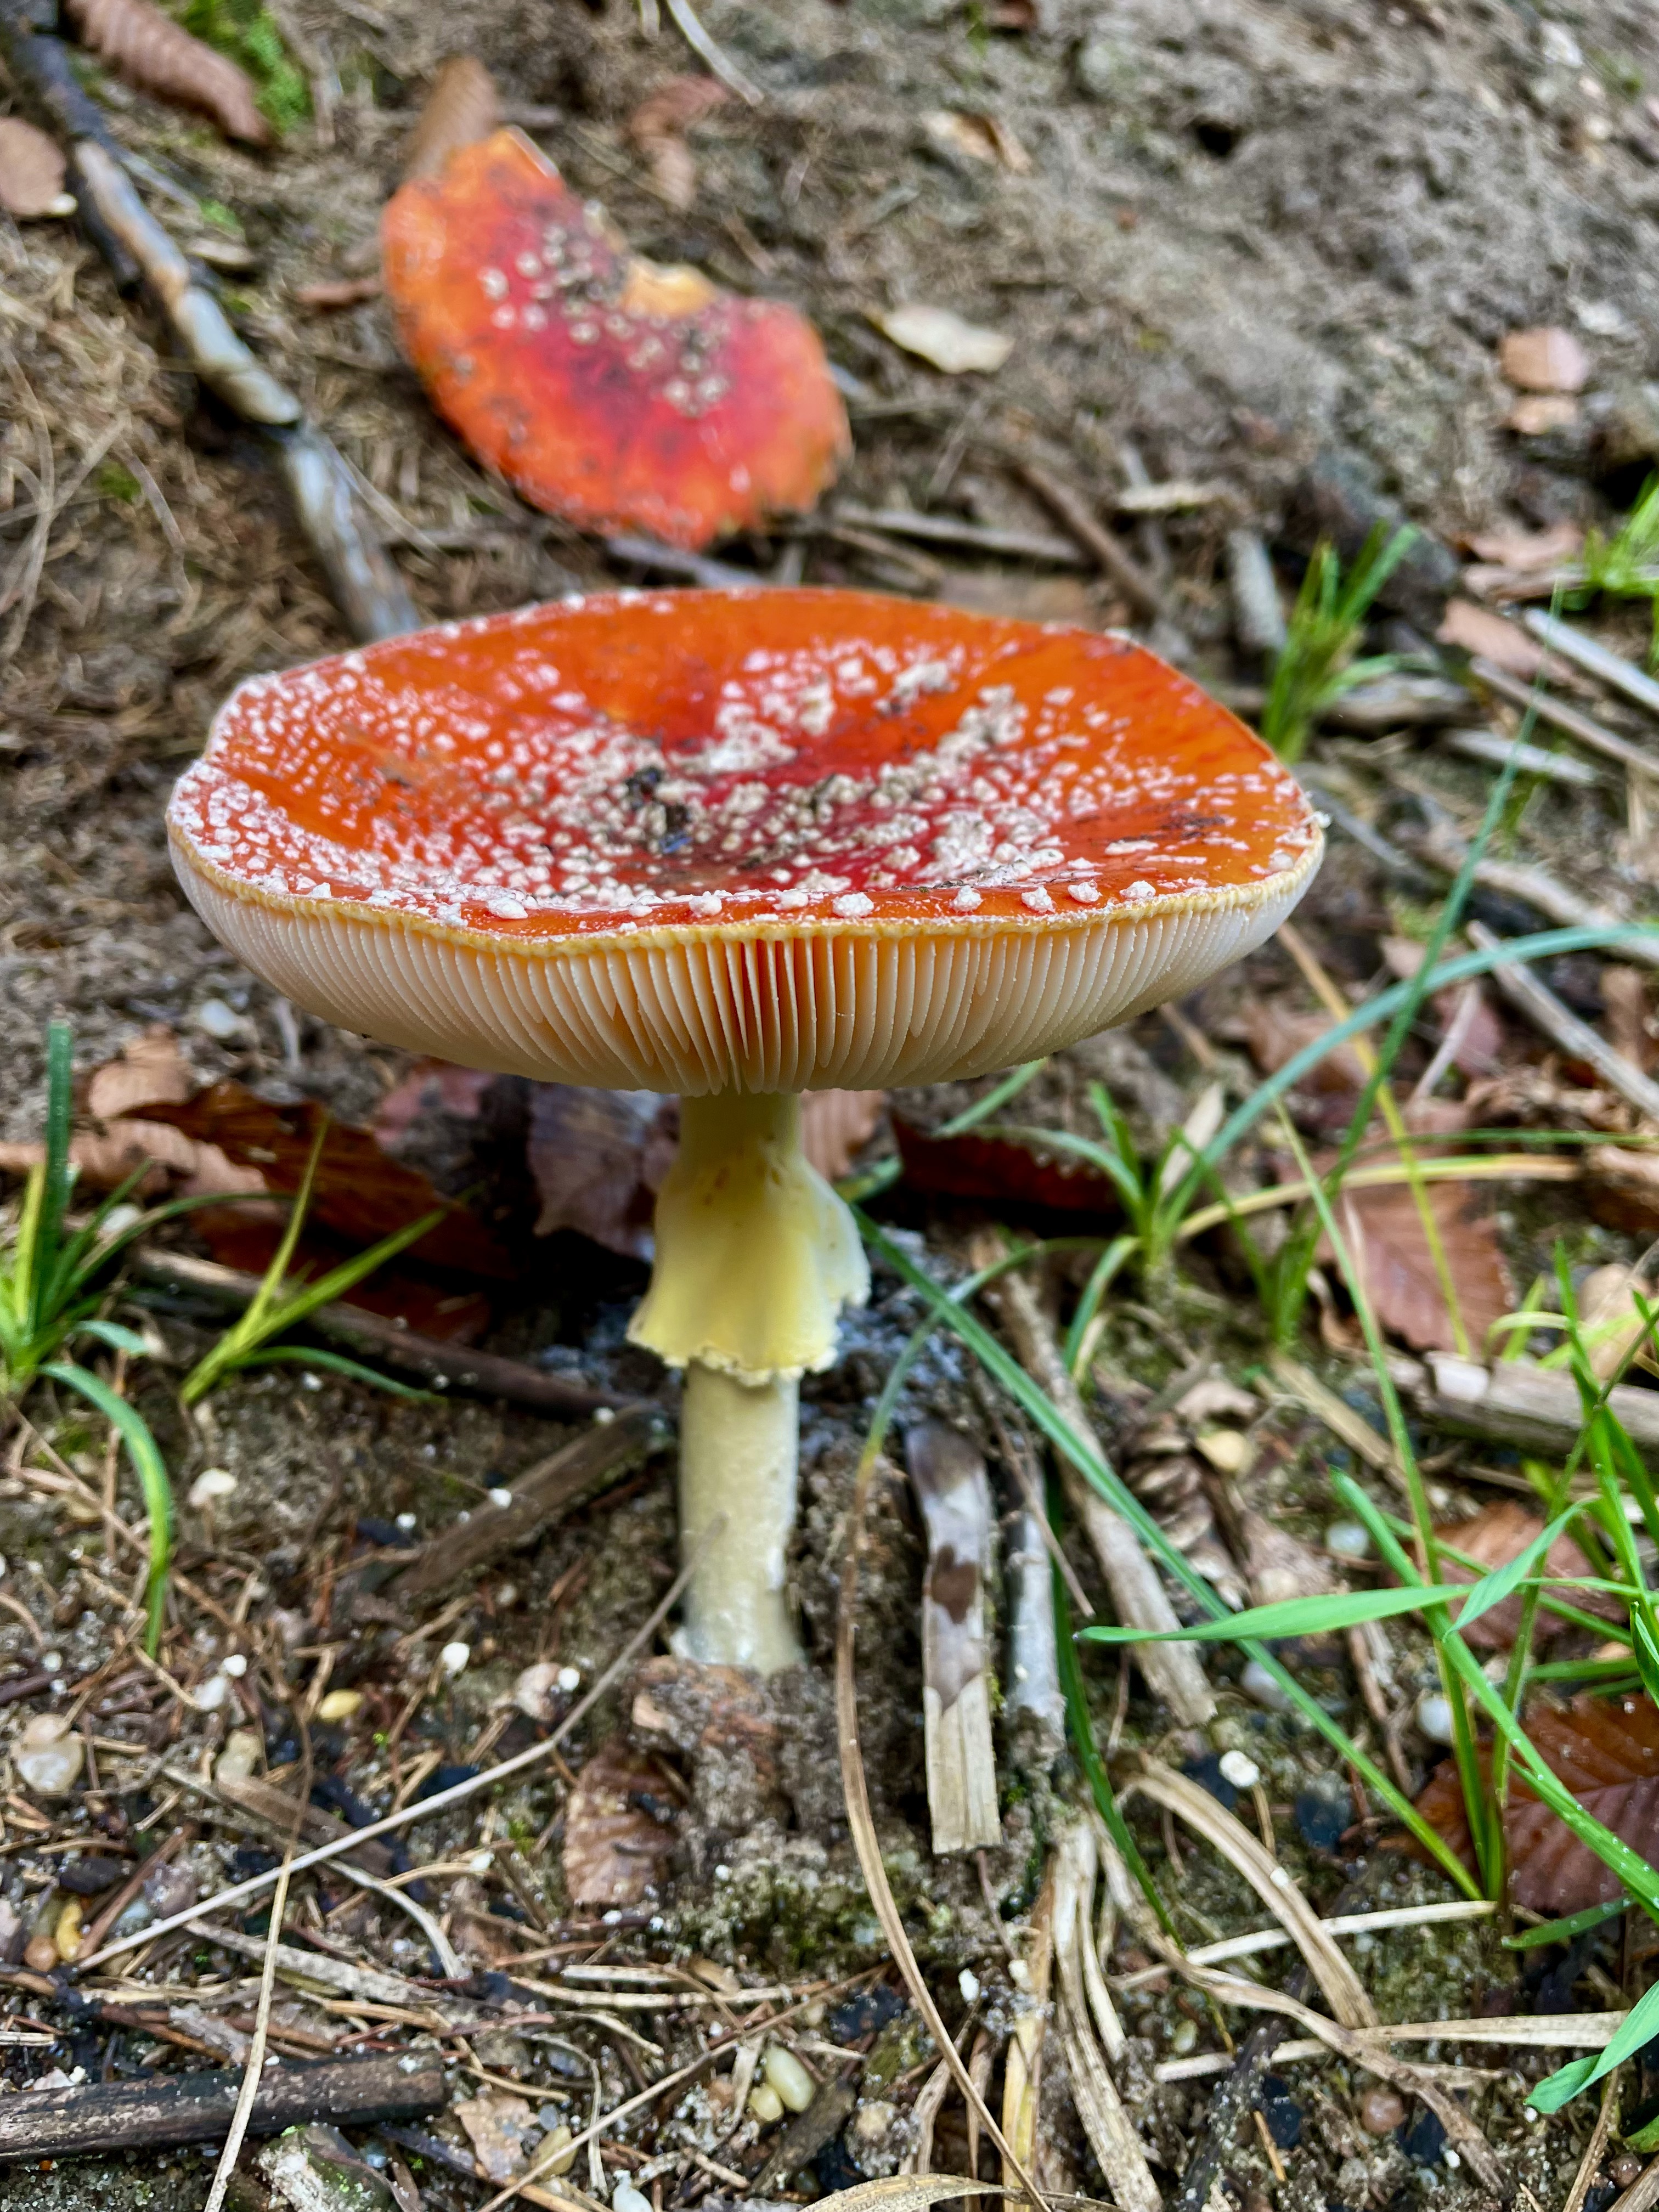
606,389
768,840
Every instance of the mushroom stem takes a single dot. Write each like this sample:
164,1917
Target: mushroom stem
738,1451
756,1257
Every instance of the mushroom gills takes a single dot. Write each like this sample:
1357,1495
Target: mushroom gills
756,1255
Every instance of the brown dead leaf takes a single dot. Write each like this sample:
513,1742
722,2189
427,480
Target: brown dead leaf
31,169
1625,994
150,50
658,126
597,1158
1547,359
1623,1188
496,2125
836,1125
1001,1169
107,1158
1493,637
1606,1752
1385,1236
1498,1534
149,1072
360,1192
617,1839
1529,552
462,107
1276,1032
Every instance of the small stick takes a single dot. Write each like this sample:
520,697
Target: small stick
1446,851
1534,999
947,530
1142,594
1033,1661
1513,1404
253,2067
486,1372
1611,670
949,1478
1597,2144
1591,733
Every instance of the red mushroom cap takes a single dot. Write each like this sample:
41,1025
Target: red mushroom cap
778,840
608,390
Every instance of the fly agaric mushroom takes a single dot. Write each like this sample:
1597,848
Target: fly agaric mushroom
606,389
738,845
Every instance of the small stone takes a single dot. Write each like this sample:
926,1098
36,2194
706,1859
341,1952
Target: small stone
1349,1540
171,1889
569,1679
453,1659
788,2077
1228,1450
1183,2037
408,1522
532,1693
624,2197
1260,1686
968,1982
48,1758
66,1933
40,1954
11,1933
1323,1811
1434,1716
240,1760
1240,1769
339,1705
234,1663
501,1497
1625,2169
1544,360
1382,2111
765,2103
217,1020
213,1483
214,1695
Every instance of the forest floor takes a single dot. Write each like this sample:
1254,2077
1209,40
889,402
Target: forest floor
1266,254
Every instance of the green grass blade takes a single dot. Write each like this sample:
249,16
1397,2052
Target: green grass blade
114,1336
336,1363
1291,1616
1081,1727
1563,1931
1109,1264
151,1469
1639,2025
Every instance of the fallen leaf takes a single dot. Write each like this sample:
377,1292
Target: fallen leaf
617,1841
658,125
496,2125
597,1158
1384,1234
1623,1188
1001,1171
32,169
361,1192
150,50
1496,1534
1547,359
462,107
1493,637
1612,1321
1606,1750
1535,414
979,137
836,1125
1276,1032
1529,552
940,337
430,1086
149,1072
1625,995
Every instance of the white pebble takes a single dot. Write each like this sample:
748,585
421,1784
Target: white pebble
968,1982
48,1758
212,1482
240,1759
1238,1768
217,1019
624,2197
1434,1716
454,1658
501,1497
51,1662
1349,1540
234,1663
408,1522
481,1861
214,1693
788,2077
1019,1973
765,2103
569,1679
1259,1684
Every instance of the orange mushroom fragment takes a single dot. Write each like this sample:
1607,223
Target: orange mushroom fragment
609,390
738,845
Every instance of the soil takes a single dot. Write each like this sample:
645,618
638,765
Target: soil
1269,248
